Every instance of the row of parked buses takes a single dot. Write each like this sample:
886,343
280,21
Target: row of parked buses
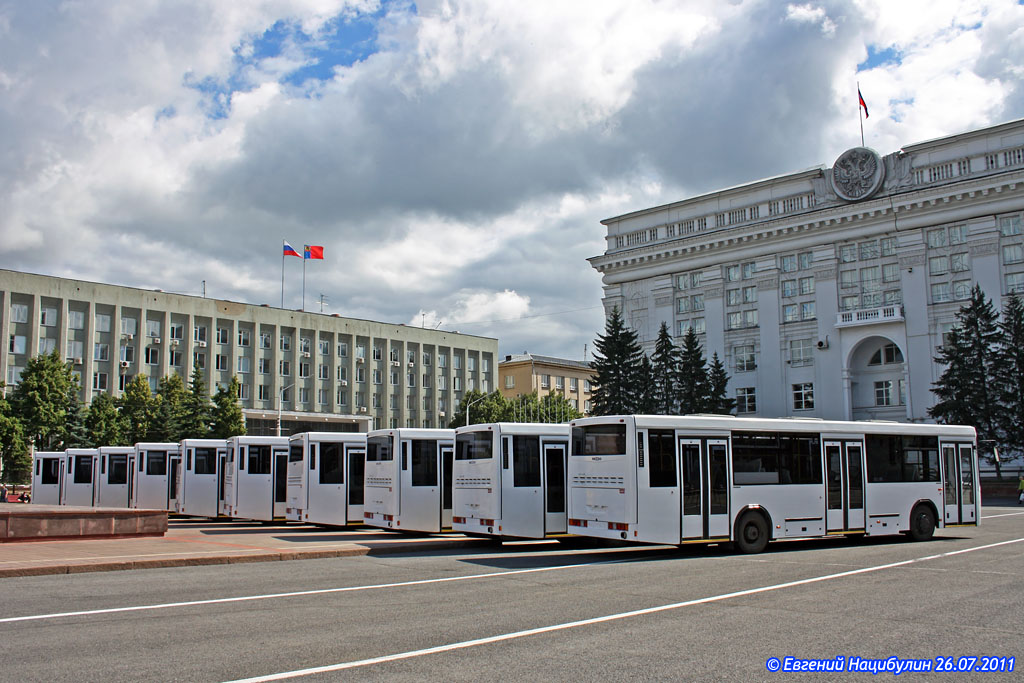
653,479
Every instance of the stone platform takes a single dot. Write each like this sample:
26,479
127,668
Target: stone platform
28,522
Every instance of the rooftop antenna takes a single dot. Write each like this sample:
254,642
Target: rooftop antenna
204,289
323,302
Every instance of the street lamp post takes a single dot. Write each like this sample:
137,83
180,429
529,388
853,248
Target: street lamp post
280,404
472,403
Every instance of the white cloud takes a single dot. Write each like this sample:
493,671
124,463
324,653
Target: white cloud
463,168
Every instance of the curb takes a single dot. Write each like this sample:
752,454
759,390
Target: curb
275,556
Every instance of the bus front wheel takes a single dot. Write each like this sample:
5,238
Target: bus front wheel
922,523
751,533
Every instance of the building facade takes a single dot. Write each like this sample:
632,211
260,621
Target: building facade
317,371
527,373
829,291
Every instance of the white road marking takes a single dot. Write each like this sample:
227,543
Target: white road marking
1005,514
320,591
597,620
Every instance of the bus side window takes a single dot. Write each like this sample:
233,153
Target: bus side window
505,441
640,449
405,455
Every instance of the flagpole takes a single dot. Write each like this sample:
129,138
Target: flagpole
305,250
282,273
860,115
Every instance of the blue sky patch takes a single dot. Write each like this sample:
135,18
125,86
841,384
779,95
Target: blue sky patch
880,57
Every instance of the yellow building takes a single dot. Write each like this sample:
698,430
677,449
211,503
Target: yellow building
526,373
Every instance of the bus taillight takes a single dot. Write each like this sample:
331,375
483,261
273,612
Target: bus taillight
458,520
578,522
618,526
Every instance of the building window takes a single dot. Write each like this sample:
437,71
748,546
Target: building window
807,310
787,263
847,278
100,352
868,250
411,379
152,355
733,297
221,362
746,400
937,238
360,352
199,360
958,234
342,349
889,393
789,288
887,355
324,371
322,396
510,382
263,392
266,340
305,345
807,285
263,365
176,331
376,375
941,292
800,352
19,313
342,373
744,355
803,396
342,397
749,270
1013,253
76,320
47,345
790,313
304,370
244,393
426,380
1014,283
223,335
574,384
75,350
102,322
325,347
938,265
848,253
426,358
1009,226
870,279
48,317
378,353
890,272
962,290
560,383
128,354
303,394
19,343
360,375
888,246
14,375
244,364
128,326
732,273
99,381
285,343
545,381
285,368
394,378
849,303
174,357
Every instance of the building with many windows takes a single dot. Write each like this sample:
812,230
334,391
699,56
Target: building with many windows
323,372
527,373
828,291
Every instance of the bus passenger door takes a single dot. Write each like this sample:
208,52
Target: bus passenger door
280,483
657,482
704,465
447,458
844,495
522,493
173,481
959,494
356,458
554,488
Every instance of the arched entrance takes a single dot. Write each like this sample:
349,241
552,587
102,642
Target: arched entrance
878,385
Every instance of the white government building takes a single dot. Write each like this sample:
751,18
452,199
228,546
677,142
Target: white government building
322,372
827,292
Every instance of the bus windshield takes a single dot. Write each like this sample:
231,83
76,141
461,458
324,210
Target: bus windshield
378,449
599,440
473,446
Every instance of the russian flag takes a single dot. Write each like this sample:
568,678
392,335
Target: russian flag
862,103
313,251
290,251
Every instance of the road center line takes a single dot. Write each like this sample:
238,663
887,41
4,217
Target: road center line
319,591
610,617
1005,514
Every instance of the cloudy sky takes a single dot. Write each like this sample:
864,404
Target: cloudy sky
453,157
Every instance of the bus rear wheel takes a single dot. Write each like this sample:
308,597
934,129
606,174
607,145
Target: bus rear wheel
751,533
922,523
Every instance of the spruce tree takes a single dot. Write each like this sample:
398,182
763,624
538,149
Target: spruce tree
965,392
665,362
616,359
718,388
1009,375
170,410
227,418
75,433
103,423
647,395
195,420
692,378
138,410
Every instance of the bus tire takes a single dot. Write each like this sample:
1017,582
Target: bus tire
922,523
751,533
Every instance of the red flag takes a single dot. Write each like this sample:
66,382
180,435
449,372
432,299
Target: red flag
313,251
862,103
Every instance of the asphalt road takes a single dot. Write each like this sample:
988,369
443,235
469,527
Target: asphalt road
710,615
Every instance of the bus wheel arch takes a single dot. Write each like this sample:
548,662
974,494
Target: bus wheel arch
923,520
753,530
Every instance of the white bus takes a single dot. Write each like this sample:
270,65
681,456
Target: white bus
201,477
408,479
80,482
696,479
325,477
116,464
509,479
256,477
155,480
47,477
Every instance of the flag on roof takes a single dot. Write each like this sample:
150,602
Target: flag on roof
313,251
862,103
289,250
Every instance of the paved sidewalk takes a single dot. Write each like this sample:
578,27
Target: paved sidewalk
197,542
